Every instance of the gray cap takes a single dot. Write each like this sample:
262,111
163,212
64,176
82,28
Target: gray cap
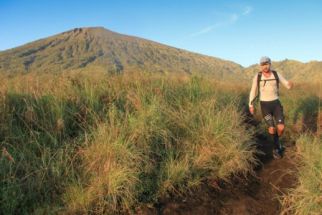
265,60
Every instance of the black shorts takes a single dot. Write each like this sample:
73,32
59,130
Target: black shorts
272,110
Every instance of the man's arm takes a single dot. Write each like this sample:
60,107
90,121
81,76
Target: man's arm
287,84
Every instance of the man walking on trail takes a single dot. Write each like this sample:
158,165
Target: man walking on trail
266,86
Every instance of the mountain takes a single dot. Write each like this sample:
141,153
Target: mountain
99,48
295,70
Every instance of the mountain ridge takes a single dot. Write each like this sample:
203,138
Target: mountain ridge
293,69
90,48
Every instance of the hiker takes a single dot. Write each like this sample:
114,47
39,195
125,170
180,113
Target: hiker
266,86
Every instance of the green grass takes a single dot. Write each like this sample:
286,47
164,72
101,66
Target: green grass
97,144
306,198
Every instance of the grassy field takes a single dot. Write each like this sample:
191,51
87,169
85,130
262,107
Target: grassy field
78,143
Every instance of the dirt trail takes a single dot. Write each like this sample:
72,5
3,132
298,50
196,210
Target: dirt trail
274,178
256,194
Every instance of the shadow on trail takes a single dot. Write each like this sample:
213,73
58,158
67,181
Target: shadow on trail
264,142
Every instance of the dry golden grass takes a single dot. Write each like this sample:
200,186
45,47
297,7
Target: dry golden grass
306,198
92,143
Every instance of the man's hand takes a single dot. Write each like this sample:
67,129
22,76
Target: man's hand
251,110
290,84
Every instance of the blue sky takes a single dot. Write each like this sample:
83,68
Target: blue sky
241,31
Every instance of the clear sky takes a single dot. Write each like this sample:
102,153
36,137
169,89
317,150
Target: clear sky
241,31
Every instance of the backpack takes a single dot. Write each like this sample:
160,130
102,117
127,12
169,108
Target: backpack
259,77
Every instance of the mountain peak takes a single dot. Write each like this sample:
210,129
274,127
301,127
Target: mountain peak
93,30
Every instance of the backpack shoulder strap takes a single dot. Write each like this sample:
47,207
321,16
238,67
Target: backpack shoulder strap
277,78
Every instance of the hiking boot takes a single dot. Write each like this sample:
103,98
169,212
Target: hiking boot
277,154
282,150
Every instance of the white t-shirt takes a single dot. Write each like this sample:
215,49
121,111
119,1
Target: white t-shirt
267,87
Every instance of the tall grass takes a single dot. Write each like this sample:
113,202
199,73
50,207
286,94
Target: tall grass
306,198
302,107
79,143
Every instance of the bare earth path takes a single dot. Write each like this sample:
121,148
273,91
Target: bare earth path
274,179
